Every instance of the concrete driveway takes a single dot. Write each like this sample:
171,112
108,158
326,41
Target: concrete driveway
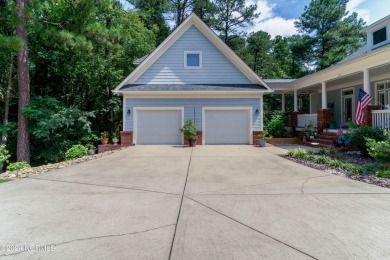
210,202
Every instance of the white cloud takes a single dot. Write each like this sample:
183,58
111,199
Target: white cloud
354,6
269,22
276,26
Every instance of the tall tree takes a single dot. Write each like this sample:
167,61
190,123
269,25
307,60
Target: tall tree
231,15
205,9
180,10
152,14
333,32
23,144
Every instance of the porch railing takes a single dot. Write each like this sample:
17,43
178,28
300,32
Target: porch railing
381,119
304,120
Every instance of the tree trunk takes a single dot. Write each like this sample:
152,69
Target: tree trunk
7,98
23,144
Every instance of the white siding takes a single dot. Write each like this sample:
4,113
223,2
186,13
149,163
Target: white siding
216,68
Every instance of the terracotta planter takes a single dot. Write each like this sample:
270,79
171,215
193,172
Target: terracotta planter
104,140
192,143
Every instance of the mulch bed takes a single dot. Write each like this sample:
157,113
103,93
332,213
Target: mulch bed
354,158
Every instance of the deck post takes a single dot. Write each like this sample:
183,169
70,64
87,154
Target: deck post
324,96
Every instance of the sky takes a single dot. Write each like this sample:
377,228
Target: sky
277,17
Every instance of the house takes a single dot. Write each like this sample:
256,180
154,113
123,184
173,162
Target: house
368,69
193,75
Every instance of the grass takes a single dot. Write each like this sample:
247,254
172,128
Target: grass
2,180
323,156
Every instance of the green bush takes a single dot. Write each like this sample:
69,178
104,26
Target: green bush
189,130
380,151
4,154
276,125
77,151
298,153
17,166
358,137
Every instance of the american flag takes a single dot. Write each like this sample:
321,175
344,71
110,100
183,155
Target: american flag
340,131
363,101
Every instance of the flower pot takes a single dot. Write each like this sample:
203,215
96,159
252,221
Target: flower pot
91,152
332,125
262,142
104,140
115,141
192,143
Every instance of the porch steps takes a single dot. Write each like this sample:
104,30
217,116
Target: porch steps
326,140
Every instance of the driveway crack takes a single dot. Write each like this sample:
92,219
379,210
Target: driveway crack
303,184
181,204
96,237
256,230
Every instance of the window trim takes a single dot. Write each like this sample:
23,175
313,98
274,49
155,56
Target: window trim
193,67
385,90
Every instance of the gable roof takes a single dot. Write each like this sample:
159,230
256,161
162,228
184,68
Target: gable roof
175,35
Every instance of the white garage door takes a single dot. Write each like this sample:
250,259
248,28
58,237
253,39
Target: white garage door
227,127
158,127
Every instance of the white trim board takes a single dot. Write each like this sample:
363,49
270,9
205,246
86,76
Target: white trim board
135,118
193,67
250,114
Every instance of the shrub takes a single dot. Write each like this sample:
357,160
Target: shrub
17,166
359,137
276,125
380,151
4,155
298,153
77,151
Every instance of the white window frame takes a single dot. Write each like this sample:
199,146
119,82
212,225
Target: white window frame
385,90
193,67
248,109
135,118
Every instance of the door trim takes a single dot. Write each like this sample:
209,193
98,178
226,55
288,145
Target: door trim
135,118
342,104
250,114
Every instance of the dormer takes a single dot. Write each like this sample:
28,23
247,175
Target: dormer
378,33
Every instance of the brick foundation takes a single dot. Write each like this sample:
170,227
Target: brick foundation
108,147
126,138
255,138
199,141
324,116
368,114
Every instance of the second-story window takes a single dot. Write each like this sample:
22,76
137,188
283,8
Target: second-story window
193,59
379,36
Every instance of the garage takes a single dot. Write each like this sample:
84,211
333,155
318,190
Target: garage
227,126
158,126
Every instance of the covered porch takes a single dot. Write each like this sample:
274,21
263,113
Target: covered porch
333,95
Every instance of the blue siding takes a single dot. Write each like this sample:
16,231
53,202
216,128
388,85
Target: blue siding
193,107
216,69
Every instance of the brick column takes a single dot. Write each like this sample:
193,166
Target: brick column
324,116
368,114
294,119
254,136
126,138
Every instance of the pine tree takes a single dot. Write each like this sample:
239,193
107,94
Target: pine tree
333,33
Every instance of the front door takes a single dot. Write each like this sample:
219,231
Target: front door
348,109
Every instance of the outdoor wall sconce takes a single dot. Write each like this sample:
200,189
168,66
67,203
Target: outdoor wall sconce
257,111
129,111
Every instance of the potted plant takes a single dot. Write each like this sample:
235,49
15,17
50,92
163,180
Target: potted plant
91,149
115,138
104,137
263,138
189,132
311,125
332,123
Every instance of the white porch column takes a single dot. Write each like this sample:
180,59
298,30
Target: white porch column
283,103
366,81
324,96
295,100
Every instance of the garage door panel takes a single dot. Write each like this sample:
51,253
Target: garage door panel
227,127
159,127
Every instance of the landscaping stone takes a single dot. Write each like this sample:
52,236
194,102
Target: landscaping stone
8,175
